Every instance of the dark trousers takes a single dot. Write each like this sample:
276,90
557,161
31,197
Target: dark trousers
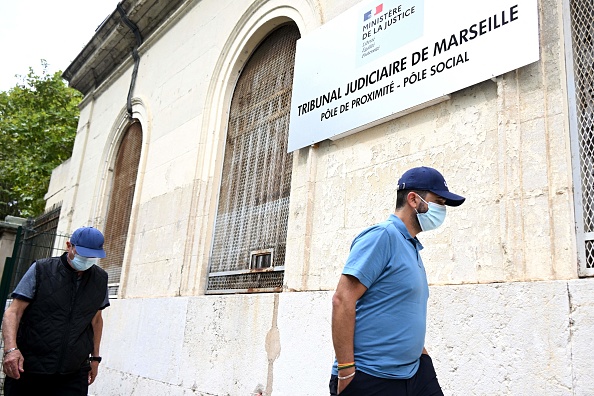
76,384
423,383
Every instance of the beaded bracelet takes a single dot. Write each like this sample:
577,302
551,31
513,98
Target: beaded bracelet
10,350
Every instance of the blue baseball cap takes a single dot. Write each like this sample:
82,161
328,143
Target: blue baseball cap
424,178
88,242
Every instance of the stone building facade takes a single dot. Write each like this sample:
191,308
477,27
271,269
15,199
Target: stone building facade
166,85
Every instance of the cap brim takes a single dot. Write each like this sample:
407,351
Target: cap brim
86,252
451,198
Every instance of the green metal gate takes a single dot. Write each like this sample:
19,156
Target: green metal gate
36,239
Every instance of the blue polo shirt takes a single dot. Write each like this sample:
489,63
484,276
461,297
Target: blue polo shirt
391,316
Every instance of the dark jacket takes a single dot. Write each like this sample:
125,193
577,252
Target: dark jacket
55,334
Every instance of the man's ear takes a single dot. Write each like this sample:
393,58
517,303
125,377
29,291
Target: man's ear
412,199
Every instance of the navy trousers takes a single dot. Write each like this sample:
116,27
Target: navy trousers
423,383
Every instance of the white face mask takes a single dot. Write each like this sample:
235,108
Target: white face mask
433,217
81,263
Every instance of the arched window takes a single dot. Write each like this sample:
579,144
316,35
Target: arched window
250,234
120,204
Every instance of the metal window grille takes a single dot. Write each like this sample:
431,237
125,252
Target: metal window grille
120,205
582,32
250,233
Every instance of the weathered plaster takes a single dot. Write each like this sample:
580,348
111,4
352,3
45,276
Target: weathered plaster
508,315
520,338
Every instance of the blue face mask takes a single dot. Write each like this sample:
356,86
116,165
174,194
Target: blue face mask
81,263
433,217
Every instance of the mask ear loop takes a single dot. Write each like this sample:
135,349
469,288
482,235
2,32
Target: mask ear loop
421,198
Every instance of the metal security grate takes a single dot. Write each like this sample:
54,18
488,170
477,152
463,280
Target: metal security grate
589,253
120,205
261,259
582,26
252,282
253,205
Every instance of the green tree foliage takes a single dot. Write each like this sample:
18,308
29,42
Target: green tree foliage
38,121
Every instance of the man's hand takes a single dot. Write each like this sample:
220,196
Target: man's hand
13,364
13,361
343,383
344,302
93,371
97,324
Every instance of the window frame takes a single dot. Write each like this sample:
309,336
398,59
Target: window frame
582,237
259,271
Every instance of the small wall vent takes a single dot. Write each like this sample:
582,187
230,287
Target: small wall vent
261,259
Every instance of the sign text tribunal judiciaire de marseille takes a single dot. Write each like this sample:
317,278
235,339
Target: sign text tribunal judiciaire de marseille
490,42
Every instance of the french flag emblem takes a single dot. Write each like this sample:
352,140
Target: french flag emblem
369,14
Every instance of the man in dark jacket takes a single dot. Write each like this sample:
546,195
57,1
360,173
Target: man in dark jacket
52,330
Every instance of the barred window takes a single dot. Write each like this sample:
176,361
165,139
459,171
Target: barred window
248,252
582,124
120,204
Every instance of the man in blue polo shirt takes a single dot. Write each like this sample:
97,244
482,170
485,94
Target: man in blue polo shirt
379,310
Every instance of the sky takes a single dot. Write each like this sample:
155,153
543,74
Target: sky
54,30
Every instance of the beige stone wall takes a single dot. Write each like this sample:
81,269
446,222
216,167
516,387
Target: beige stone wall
504,339
7,238
503,143
57,186
182,93
504,299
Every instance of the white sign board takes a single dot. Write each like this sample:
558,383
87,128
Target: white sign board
381,59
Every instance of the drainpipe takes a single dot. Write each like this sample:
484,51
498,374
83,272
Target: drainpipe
138,36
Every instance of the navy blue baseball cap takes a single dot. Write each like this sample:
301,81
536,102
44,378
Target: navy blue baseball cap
88,242
424,178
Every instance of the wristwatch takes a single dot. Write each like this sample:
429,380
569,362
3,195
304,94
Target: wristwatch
95,359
